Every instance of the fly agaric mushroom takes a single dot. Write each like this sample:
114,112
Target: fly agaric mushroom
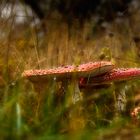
69,73
135,113
116,75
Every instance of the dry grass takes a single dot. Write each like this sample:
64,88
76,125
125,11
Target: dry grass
26,114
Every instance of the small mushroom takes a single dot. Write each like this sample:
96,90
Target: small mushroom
135,114
69,75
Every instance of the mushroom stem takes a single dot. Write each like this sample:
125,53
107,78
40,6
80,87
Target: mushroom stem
120,97
75,91
72,92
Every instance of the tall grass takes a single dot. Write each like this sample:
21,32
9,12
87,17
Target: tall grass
26,114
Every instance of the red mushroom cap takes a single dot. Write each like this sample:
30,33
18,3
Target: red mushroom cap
121,74
83,70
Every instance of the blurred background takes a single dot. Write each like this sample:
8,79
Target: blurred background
50,33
